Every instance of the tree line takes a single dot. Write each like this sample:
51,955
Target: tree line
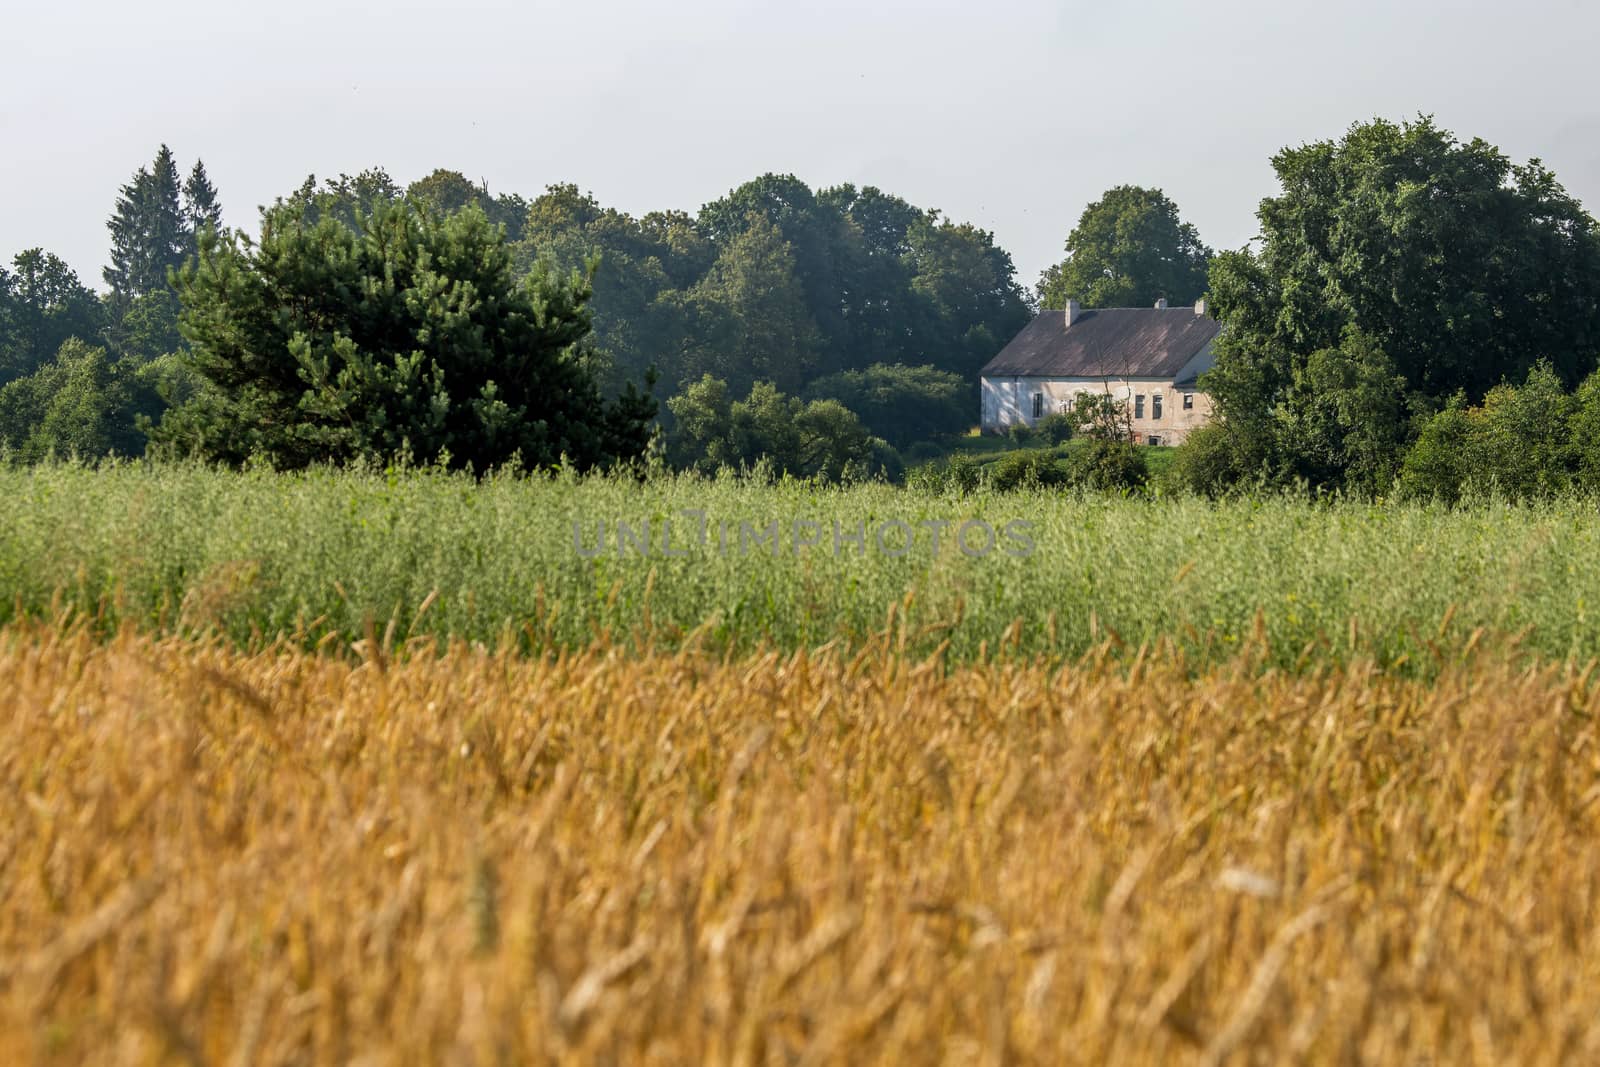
1407,294
212,341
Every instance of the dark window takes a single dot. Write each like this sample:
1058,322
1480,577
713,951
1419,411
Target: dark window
1155,406
1188,401
1154,439
1138,406
1038,405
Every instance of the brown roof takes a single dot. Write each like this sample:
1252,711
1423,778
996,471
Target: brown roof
1108,342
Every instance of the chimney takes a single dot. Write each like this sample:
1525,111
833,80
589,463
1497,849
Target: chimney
1200,306
1161,303
1074,310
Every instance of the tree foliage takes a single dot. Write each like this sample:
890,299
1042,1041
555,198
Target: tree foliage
202,210
778,282
1398,267
768,429
901,404
1525,442
42,304
407,336
150,233
1128,249
80,403
449,191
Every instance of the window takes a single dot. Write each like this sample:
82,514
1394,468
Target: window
1154,439
1038,405
1138,406
1188,401
1155,405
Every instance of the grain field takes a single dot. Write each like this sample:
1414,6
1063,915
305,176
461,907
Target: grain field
666,857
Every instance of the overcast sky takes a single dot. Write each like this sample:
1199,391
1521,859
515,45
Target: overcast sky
1013,114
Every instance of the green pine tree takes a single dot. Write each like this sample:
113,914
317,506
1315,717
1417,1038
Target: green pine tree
409,336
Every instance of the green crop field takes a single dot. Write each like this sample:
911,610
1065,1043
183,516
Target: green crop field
333,556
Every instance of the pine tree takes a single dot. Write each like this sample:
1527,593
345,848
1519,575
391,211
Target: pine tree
149,234
200,205
322,343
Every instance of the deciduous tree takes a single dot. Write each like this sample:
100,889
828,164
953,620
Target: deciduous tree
1129,249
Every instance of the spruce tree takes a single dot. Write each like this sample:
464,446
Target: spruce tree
200,205
149,234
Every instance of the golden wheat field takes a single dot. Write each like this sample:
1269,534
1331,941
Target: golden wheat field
458,857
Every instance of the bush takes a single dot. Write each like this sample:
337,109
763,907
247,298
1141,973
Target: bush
886,462
959,474
1211,461
822,438
1094,463
80,403
1020,435
1026,469
1056,428
1523,443
1437,467
923,452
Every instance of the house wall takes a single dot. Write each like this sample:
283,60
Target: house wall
1008,402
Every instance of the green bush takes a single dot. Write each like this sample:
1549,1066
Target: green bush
1523,443
1212,461
1026,469
960,474
885,462
1439,465
1095,463
819,439
1020,435
1056,428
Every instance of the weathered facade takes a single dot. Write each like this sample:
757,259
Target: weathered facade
1149,358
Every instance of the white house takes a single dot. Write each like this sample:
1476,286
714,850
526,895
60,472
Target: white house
1149,358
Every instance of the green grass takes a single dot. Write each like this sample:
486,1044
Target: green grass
1158,458
257,554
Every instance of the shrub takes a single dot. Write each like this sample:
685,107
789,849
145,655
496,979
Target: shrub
1095,463
1055,428
1211,461
1523,443
1437,466
886,462
959,474
1026,469
822,438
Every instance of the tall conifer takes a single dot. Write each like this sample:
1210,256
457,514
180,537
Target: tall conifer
149,233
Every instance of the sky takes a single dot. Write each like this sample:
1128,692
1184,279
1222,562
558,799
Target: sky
1011,114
